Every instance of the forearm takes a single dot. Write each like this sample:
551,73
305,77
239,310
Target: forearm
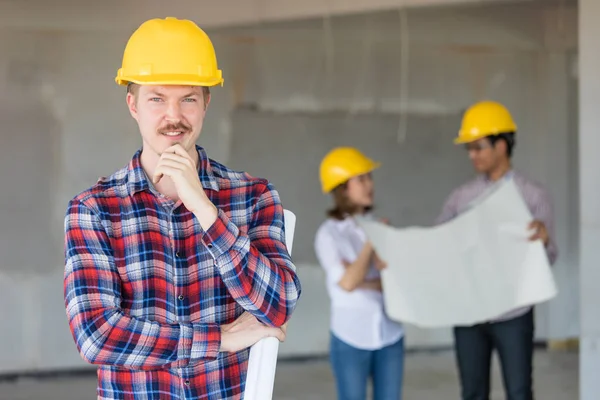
357,271
110,337
206,213
373,284
256,268
103,332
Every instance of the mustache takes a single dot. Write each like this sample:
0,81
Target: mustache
180,126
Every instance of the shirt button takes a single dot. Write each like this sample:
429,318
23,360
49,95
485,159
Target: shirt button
187,383
181,297
177,254
210,246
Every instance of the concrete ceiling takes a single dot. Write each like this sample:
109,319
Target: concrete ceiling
119,15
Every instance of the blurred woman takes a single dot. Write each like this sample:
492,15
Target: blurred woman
364,342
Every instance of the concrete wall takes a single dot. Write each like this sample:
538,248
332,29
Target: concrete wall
348,89
395,89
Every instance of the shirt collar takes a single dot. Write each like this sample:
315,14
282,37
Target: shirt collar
138,181
507,176
349,222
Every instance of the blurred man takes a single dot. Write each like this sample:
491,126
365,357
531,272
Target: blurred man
175,264
488,133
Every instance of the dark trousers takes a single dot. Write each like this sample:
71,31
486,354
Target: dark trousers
513,340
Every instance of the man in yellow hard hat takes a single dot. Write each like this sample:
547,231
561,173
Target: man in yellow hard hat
175,264
488,134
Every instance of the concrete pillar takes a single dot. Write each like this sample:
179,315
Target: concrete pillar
589,181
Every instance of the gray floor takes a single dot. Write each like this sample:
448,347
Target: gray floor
429,376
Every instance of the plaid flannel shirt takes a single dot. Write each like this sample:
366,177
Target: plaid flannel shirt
146,289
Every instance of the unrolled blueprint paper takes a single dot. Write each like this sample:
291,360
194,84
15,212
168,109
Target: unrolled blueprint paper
471,269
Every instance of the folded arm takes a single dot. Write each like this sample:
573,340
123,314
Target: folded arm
103,332
255,266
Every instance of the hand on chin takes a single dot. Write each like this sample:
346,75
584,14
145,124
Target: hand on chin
168,143
176,164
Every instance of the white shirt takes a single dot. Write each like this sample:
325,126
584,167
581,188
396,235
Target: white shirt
358,317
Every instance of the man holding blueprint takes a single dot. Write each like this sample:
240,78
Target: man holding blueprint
488,133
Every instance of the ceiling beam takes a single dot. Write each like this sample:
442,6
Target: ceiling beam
126,15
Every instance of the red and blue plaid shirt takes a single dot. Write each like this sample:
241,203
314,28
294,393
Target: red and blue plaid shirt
146,288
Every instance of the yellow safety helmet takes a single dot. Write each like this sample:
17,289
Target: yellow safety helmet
341,164
483,119
169,51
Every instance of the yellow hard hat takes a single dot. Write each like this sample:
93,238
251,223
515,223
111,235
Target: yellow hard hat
341,164
483,119
169,51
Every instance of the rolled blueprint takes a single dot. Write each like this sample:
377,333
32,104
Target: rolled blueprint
263,355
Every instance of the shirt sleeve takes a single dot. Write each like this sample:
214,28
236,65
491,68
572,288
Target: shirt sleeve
103,332
449,209
255,266
328,256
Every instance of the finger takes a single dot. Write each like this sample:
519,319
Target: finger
277,333
177,158
243,321
533,224
178,149
156,177
174,164
535,236
167,170
246,316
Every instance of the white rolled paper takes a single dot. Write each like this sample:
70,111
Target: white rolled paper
262,361
261,370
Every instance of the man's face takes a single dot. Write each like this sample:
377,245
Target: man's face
168,115
484,156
